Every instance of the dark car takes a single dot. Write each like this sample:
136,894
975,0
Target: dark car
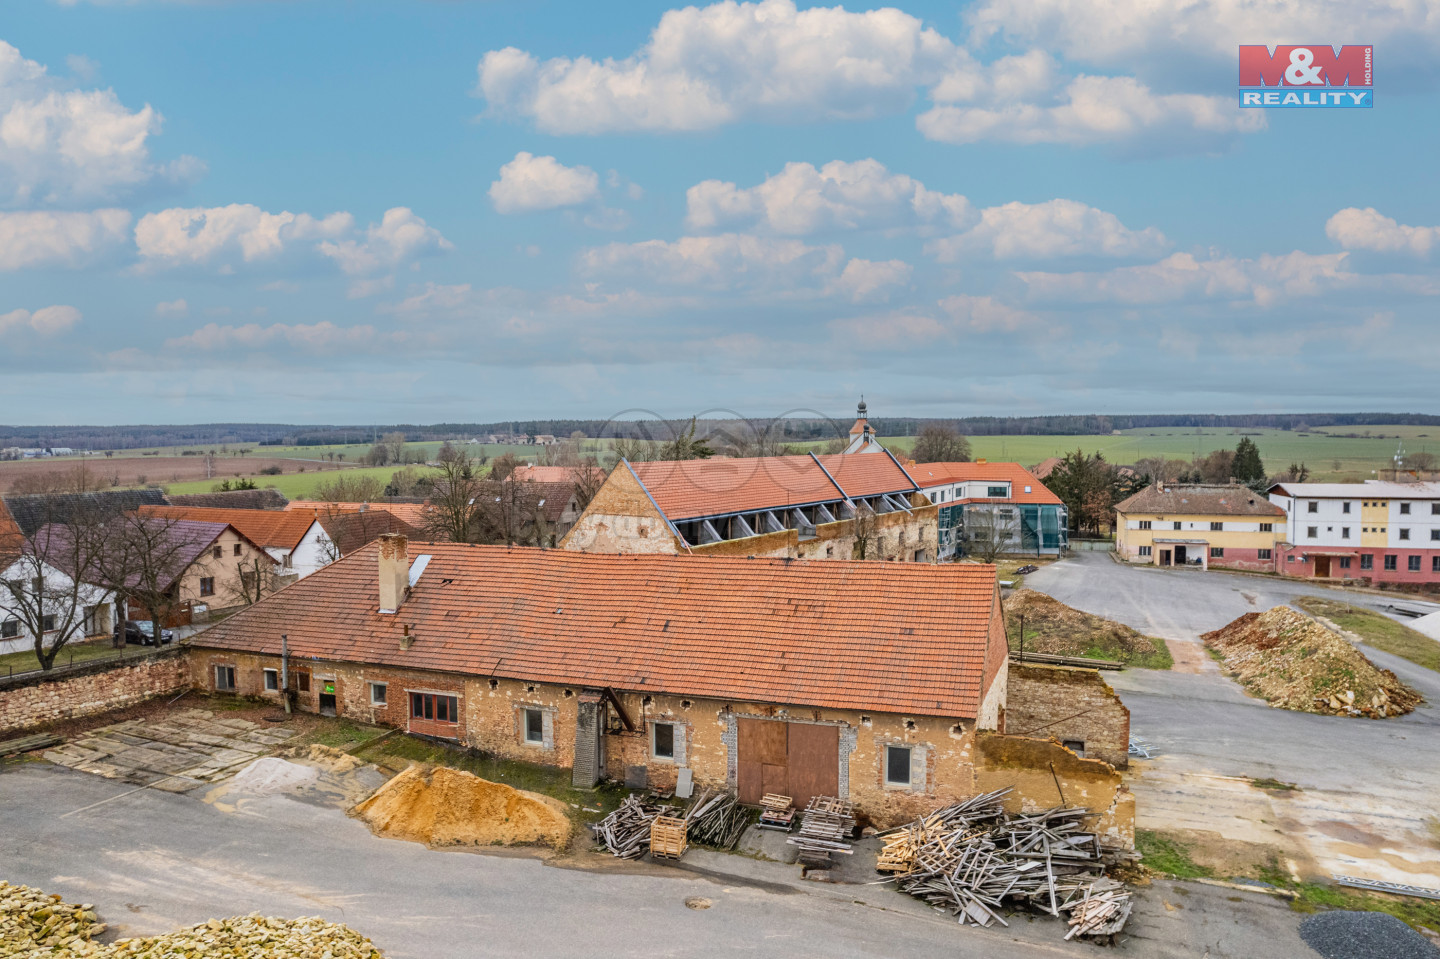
143,632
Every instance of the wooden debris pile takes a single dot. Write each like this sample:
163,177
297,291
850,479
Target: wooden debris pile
667,837
824,829
626,831
971,858
716,819
776,812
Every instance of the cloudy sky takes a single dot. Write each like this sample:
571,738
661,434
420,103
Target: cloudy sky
312,211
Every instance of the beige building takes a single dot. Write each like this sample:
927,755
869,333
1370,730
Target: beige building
1198,525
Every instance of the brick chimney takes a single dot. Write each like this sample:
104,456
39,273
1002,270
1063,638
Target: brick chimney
394,561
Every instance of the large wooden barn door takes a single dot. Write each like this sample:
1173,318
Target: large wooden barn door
814,762
799,760
762,748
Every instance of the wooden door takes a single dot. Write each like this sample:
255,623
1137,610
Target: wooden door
762,758
814,762
1322,566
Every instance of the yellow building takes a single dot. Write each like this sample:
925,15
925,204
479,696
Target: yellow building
1193,525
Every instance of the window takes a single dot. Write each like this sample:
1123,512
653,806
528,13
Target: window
1435,509
272,680
1390,562
218,551
377,694
997,492
1145,524
1217,552
1145,551
207,586
1267,527
1435,534
1405,508
1076,746
1312,507
1435,564
1344,532
1404,534
47,623
237,549
1177,524
289,561
1312,531
440,709
664,740
1216,527
1367,561
1345,507
897,765
1262,554
1414,564
10,629
535,727
225,678
1344,562
302,681
1289,559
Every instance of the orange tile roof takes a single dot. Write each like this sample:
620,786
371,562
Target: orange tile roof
270,528
413,514
897,637
528,473
712,487
938,474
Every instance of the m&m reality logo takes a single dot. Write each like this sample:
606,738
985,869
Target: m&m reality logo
1313,75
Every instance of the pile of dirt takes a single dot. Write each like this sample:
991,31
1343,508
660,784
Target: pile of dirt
446,807
1293,662
327,756
1055,629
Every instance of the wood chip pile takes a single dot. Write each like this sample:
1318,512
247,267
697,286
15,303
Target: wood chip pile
824,830
33,924
972,858
1293,662
717,820
626,831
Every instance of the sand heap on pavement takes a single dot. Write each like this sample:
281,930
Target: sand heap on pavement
328,756
1053,628
33,924
1293,662
446,807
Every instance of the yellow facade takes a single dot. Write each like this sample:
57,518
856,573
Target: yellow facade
1374,517
1237,533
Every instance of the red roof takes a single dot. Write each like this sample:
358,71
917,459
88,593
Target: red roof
270,528
896,637
938,474
526,472
687,489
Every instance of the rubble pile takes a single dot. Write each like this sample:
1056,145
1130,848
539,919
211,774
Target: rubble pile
33,924
1293,662
626,831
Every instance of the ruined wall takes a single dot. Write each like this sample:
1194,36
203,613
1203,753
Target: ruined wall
1042,775
91,690
1068,705
621,519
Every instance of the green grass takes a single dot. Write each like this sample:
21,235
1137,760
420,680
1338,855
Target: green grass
1274,785
1382,632
343,734
292,485
1164,854
1160,659
25,660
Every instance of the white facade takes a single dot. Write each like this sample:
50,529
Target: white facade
942,493
1374,514
311,553
96,618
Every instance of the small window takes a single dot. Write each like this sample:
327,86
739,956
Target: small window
1145,524
47,622
1145,551
1435,509
1344,562
207,586
1414,564
1217,552
1404,534
1267,527
996,492
1367,561
897,765
534,726
225,678
1177,524
1076,746
377,694
1435,534
1312,507
302,681
664,744
218,551
1216,527
289,561
1344,532
237,549
1405,508
1435,564
1390,562
10,629
272,680
1345,507
1262,554
1312,531
1289,559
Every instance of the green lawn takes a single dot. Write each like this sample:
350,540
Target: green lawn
25,660
293,485
1379,631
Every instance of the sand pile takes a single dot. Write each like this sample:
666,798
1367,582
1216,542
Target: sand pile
272,775
1053,628
1292,662
446,807
328,756
33,924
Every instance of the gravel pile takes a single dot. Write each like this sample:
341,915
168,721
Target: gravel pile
33,924
1364,935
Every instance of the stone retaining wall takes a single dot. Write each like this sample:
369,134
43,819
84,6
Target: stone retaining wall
91,689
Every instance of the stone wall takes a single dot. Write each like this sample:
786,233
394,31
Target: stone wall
1041,775
91,689
1068,705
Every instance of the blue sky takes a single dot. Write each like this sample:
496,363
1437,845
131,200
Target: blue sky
469,211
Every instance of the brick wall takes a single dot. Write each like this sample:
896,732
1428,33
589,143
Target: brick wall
1068,705
90,690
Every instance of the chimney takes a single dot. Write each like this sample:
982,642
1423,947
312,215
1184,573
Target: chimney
394,561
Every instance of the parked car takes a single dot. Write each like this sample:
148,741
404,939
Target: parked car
143,633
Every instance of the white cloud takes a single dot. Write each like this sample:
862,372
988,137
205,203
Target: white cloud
725,261
317,338
869,280
172,308
1098,110
984,314
40,238
47,321
1368,229
529,183
1051,229
199,236
72,146
1183,276
399,236
708,66
840,195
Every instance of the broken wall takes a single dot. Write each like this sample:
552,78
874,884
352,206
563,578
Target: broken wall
1070,705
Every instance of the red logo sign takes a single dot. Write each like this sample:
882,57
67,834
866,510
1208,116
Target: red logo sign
1312,65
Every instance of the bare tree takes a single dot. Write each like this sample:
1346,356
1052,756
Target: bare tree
346,488
513,513
144,558
938,443
47,582
867,530
258,579
1420,462
986,533
455,502
395,444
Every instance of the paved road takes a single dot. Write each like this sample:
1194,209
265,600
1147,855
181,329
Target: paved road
151,861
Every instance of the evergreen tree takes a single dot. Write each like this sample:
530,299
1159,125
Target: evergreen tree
1247,467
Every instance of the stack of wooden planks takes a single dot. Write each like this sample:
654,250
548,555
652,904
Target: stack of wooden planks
626,831
972,857
776,812
825,829
716,819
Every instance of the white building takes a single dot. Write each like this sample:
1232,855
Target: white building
1376,530
18,602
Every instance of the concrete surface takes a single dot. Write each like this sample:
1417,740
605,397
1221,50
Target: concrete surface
151,861
1366,805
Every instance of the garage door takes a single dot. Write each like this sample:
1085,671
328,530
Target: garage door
799,760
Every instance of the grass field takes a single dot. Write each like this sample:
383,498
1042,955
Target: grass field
292,485
1379,631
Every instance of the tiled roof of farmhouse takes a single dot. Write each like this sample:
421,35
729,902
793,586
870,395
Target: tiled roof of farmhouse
937,474
1220,500
270,528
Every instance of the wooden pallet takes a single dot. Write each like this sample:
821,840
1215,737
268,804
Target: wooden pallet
667,837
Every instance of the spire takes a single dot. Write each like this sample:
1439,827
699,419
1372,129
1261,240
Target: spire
860,410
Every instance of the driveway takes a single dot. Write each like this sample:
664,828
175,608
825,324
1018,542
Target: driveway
1366,803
